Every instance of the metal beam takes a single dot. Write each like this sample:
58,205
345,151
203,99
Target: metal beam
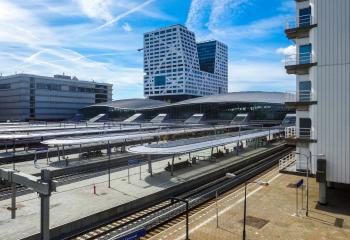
27,180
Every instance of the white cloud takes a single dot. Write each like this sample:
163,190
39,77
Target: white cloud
98,9
197,13
223,10
127,27
124,14
255,75
290,50
20,26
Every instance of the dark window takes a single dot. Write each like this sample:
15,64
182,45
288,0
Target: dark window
305,127
305,54
159,80
5,86
305,17
304,90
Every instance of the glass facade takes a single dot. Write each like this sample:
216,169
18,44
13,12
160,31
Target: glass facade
206,56
211,111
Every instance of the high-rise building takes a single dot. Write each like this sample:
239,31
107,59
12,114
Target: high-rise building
321,34
178,68
33,97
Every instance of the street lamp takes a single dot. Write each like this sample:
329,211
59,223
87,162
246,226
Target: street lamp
187,208
259,182
308,158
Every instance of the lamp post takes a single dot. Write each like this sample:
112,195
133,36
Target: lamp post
308,159
187,208
263,183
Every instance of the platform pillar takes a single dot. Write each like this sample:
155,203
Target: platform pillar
13,200
45,207
172,165
45,217
150,165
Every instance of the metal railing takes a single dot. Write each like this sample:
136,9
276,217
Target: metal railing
300,96
293,132
304,133
297,59
290,96
300,21
290,132
304,96
286,161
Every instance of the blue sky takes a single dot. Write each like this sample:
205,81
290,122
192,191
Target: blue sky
98,39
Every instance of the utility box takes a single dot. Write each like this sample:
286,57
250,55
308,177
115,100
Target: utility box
321,174
321,178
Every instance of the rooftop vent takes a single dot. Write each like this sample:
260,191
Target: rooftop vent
62,76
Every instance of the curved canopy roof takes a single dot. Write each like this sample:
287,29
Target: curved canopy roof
238,97
233,97
188,147
132,104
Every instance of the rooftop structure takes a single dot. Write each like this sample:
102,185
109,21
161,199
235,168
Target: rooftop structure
178,68
33,97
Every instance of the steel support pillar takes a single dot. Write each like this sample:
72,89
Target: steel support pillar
172,165
13,200
109,164
45,217
45,207
150,165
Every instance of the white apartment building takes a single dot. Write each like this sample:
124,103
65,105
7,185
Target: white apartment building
177,68
321,34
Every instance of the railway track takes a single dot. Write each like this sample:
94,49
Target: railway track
165,214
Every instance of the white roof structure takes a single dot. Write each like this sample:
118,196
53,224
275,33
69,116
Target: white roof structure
70,132
197,146
126,136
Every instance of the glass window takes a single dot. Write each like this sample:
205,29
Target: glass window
305,54
305,127
304,90
159,80
305,17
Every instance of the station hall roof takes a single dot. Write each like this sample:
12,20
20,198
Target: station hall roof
132,104
233,97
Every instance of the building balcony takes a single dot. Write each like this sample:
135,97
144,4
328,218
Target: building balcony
297,136
300,101
299,63
300,27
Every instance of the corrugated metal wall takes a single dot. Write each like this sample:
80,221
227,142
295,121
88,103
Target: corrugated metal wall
331,81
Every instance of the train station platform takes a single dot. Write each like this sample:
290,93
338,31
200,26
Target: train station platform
77,200
270,214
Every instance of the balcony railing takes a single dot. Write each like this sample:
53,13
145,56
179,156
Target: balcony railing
299,59
299,135
303,21
303,133
290,132
305,96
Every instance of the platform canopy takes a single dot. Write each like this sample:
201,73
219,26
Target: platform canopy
182,147
70,132
128,136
